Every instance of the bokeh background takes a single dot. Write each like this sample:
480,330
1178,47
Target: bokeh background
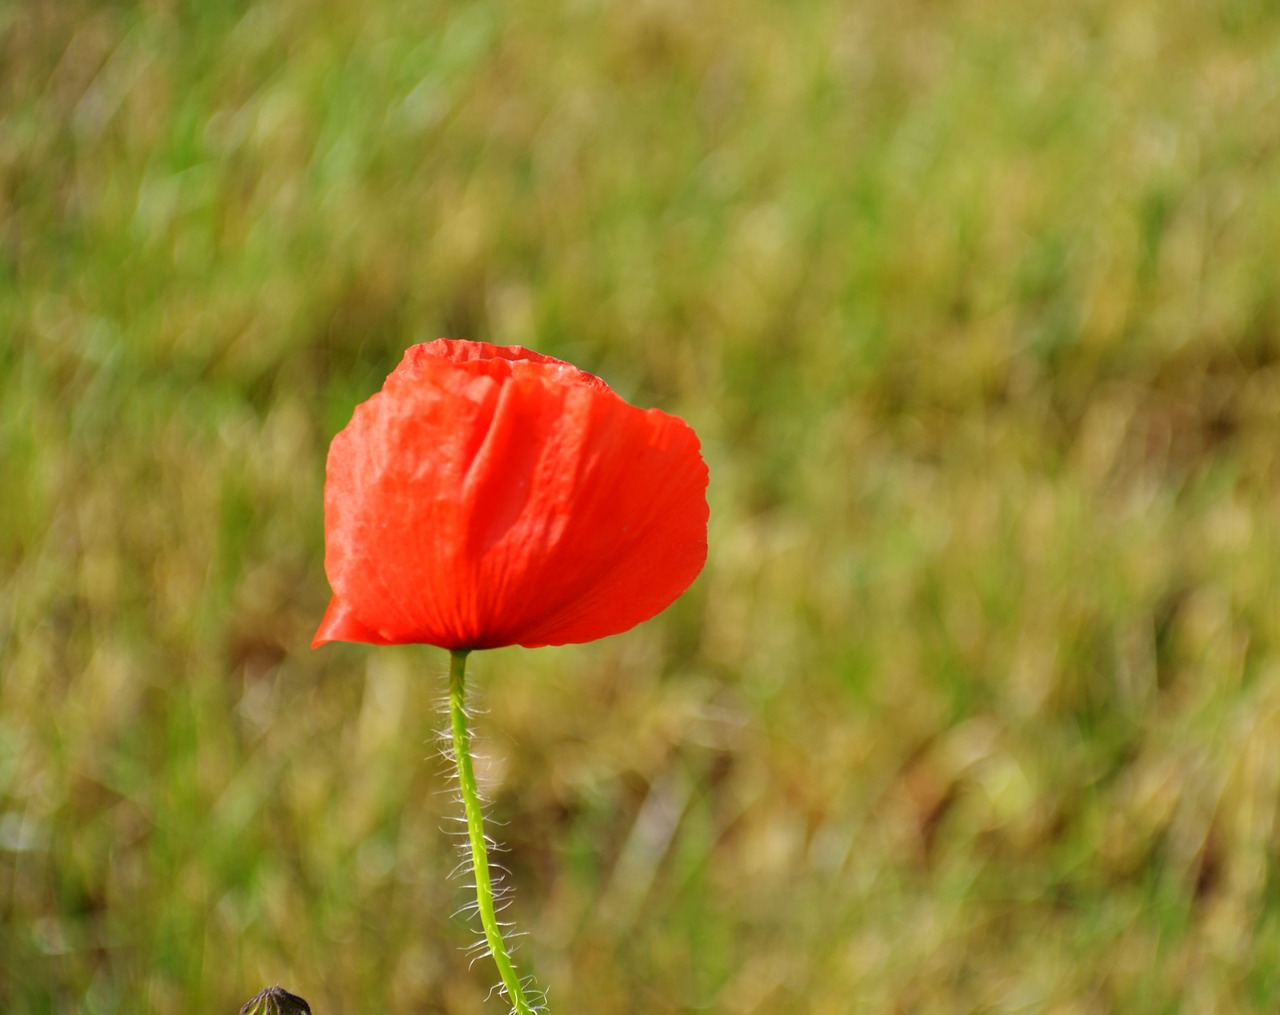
976,707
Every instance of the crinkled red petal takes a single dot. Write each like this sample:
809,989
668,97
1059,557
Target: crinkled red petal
492,496
339,624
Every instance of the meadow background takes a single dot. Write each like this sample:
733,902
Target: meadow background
976,707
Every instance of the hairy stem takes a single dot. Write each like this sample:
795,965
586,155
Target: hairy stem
475,833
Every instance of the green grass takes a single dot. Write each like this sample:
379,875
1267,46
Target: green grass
976,308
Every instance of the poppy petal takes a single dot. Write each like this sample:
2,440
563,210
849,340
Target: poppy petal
492,496
340,624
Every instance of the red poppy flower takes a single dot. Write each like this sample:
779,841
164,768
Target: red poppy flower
493,496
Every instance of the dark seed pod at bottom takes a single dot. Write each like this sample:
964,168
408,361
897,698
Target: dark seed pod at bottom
276,1001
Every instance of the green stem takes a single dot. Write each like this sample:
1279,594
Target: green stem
475,832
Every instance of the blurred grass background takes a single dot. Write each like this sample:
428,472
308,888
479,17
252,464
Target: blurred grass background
976,707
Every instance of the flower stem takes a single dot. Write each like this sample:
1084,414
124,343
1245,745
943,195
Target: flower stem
475,833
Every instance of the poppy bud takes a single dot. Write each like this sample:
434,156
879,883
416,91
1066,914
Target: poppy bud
276,1001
